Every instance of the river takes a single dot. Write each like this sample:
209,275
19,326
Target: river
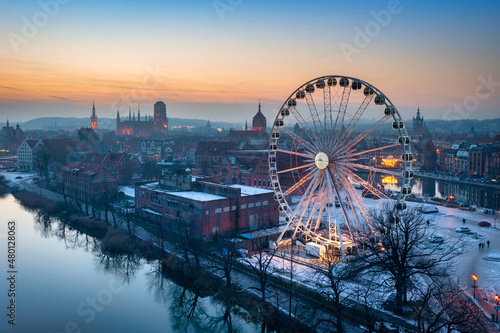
464,193
64,282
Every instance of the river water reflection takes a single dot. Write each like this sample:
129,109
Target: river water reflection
474,194
66,283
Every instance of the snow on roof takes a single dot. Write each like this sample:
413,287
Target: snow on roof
193,195
249,190
150,211
197,196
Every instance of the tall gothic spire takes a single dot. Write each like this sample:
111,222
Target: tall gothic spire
138,114
117,114
129,114
246,124
93,109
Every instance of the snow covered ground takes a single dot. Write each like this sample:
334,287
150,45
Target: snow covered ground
128,190
483,262
26,177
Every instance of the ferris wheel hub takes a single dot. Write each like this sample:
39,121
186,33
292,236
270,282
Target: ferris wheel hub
321,160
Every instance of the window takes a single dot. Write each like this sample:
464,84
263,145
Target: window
226,209
218,210
258,204
265,203
255,182
250,205
243,206
260,183
233,207
206,212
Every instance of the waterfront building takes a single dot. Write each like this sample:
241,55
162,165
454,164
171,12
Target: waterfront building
206,208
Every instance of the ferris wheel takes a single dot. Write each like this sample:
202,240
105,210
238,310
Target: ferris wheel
320,147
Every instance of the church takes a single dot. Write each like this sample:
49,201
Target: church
256,138
147,127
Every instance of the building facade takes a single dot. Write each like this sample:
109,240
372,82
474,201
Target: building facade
146,127
207,209
86,183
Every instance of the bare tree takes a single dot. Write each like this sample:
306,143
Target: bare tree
223,257
333,275
440,305
41,162
261,266
400,252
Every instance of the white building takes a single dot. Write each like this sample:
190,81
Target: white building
25,154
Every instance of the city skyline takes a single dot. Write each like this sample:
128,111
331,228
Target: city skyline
216,59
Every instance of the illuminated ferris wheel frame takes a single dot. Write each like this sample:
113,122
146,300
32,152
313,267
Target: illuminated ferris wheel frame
330,211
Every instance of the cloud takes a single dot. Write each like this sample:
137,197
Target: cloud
11,88
63,98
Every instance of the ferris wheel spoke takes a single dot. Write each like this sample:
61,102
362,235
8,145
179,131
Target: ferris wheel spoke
306,144
321,200
300,182
290,152
368,186
359,203
353,166
299,209
369,151
297,168
302,123
327,101
354,120
303,207
366,132
333,188
315,118
341,116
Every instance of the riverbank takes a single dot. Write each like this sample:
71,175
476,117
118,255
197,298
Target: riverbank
457,180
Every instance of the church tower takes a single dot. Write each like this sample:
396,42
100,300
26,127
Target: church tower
160,118
93,118
259,122
418,122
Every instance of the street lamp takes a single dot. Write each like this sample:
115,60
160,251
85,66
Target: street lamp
497,299
474,277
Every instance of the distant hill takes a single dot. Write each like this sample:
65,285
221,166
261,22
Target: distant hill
72,123
438,125
461,126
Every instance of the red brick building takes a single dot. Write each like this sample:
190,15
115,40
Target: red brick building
158,126
121,165
208,208
85,182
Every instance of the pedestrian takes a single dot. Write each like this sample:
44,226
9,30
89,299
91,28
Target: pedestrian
479,246
488,243
463,220
428,222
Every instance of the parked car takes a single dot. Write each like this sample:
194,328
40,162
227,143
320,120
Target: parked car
19,177
436,239
462,229
484,224
427,209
